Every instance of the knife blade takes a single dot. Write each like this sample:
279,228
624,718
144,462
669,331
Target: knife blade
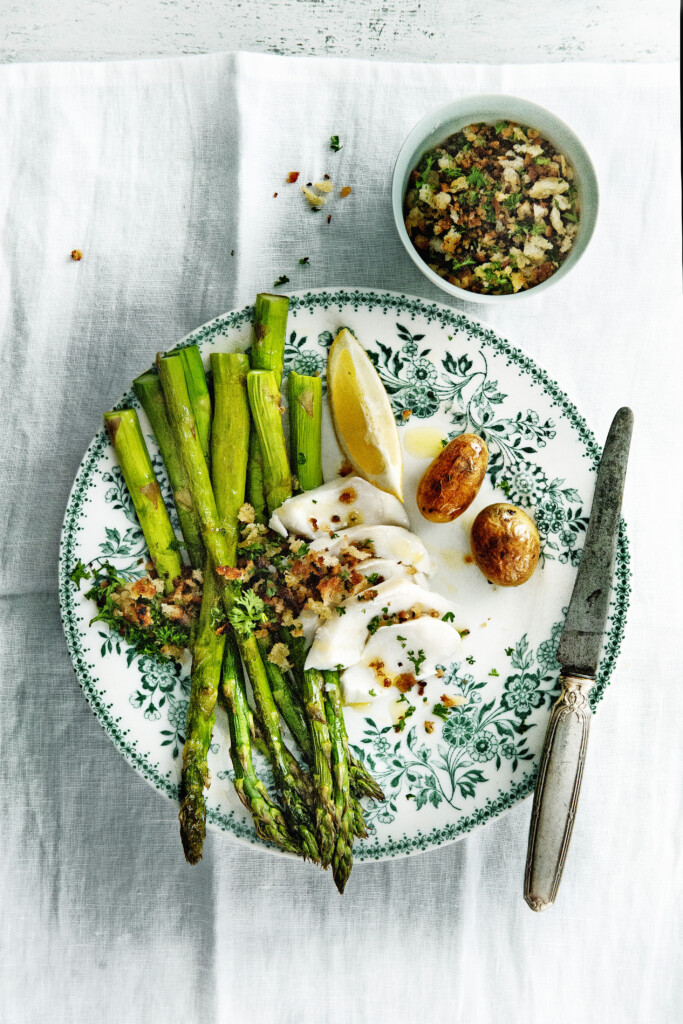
584,628
566,741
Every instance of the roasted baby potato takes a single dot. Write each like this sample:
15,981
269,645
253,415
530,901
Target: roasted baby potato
505,544
450,484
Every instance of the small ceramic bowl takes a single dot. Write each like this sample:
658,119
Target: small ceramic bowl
444,121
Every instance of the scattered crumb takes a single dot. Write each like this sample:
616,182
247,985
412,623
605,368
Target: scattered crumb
76,254
407,413
313,198
247,513
292,177
429,726
329,217
278,656
346,191
274,195
469,559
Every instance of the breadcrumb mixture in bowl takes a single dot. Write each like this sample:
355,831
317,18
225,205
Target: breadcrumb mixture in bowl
495,205
494,208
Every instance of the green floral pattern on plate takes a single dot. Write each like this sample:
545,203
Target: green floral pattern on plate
441,368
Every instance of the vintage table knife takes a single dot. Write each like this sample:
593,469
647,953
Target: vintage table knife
564,751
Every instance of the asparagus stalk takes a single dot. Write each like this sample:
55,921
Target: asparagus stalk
342,859
230,440
126,437
267,353
362,783
255,491
264,401
305,393
207,653
207,657
198,392
303,779
326,811
218,551
270,328
268,818
305,420
288,704
148,389
230,437
295,807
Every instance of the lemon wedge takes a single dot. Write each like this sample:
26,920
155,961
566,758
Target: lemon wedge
362,416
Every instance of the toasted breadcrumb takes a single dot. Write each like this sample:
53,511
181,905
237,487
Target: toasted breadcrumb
313,198
246,513
278,656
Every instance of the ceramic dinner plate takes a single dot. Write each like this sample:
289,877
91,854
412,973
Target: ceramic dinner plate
445,374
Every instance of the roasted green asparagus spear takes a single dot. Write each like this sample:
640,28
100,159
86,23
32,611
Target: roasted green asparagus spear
198,392
266,411
126,437
148,389
342,859
267,353
207,658
305,420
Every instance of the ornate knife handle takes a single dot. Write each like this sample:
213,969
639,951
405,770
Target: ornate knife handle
557,791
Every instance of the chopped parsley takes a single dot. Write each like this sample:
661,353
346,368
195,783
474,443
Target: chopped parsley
417,658
448,617
441,711
476,178
304,260
372,577
494,672
401,724
341,610
81,572
509,651
248,611
335,143
147,641
283,279
422,180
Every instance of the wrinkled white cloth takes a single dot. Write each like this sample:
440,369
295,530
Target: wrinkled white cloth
163,174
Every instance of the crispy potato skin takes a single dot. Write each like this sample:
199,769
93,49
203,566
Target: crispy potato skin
505,544
450,484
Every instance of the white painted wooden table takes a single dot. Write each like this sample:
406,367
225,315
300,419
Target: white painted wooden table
473,31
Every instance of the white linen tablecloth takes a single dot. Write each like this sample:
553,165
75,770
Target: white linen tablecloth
159,171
